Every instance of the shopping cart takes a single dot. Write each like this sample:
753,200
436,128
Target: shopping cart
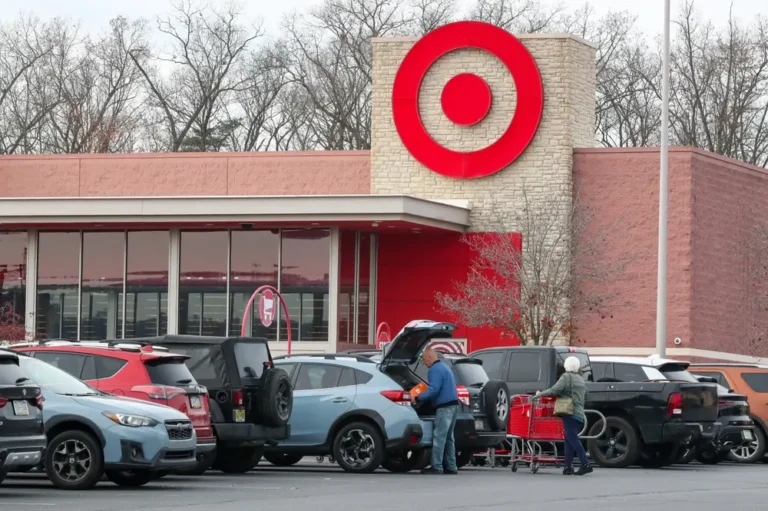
534,432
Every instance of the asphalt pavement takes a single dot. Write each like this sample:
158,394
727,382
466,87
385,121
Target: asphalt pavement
310,487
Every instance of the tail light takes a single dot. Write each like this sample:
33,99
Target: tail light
397,396
722,403
237,398
158,391
3,402
39,401
675,404
463,395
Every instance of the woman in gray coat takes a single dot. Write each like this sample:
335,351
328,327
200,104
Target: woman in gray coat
572,385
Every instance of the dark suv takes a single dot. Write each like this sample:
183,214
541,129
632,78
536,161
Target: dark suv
22,435
250,399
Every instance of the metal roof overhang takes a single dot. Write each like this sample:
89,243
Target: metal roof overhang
279,209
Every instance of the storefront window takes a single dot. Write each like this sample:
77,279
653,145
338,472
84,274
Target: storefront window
102,284
203,283
58,273
146,310
347,286
254,263
13,274
305,264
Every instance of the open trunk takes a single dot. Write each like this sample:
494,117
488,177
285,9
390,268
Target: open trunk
407,379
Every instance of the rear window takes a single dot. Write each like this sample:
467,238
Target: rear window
679,374
469,374
200,363
250,358
756,381
169,372
524,366
9,371
586,367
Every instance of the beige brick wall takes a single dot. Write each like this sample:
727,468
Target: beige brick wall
567,66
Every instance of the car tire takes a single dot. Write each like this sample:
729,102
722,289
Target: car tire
130,478
237,461
464,458
281,459
276,399
359,448
687,454
496,399
401,462
89,458
711,457
659,456
623,431
754,453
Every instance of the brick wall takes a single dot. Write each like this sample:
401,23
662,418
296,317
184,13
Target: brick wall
729,200
567,66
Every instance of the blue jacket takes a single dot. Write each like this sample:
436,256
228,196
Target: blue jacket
442,385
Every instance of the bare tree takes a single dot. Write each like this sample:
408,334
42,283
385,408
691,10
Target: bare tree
206,46
25,98
719,92
533,287
519,16
99,97
431,14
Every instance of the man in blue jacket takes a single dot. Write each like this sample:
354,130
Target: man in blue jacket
442,393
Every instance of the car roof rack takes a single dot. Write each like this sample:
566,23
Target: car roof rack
328,356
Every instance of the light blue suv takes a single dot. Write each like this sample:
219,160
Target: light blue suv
91,433
345,407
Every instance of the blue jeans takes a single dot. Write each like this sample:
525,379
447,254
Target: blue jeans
443,442
573,445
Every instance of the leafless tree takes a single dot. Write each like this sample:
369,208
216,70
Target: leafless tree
206,46
520,16
719,92
431,14
99,100
26,45
533,288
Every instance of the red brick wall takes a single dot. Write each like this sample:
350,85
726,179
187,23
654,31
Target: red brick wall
622,188
729,199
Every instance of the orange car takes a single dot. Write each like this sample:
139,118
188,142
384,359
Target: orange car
752,381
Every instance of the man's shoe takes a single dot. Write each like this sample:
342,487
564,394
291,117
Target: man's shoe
568,471
450,472
584,470
432,471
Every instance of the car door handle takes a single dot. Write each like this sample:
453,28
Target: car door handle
339,400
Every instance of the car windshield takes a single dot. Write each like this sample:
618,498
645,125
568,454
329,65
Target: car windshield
54,379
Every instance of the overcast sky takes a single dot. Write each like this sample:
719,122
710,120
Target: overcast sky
94,14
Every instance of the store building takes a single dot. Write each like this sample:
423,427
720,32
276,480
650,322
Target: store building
120,246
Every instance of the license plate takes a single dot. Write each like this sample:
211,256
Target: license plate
195,402
479,425
747,435
239,415
21,408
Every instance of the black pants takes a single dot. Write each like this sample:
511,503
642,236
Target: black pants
573,445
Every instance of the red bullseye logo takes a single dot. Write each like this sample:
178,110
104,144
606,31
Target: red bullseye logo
466,99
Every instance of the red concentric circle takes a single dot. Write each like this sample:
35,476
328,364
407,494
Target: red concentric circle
521,129
466,99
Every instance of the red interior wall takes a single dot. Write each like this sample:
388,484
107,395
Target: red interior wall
412,268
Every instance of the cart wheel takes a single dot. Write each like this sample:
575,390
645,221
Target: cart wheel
320,459
534,467
514,466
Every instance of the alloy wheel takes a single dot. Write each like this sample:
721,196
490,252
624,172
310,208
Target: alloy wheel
613,444
357,448
283,401
502,405
745,452
72,460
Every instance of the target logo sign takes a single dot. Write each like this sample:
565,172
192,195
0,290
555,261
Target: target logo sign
466,99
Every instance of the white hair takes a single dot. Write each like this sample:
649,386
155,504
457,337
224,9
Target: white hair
572,365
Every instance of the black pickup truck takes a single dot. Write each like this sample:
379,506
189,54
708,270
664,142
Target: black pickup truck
647,422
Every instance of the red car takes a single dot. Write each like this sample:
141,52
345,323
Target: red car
149,373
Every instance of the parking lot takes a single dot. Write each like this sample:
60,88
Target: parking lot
309,486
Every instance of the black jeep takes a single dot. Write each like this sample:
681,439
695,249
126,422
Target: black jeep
22,436
251,400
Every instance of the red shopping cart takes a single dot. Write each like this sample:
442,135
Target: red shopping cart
532,422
